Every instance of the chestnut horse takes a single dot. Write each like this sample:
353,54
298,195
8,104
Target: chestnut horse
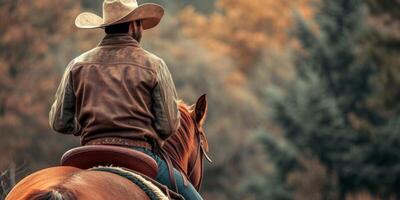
185,149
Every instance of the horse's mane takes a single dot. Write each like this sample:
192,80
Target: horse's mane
178,144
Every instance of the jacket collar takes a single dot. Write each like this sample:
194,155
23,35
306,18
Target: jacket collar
120,39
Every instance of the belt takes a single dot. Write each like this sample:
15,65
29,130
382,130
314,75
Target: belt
120,142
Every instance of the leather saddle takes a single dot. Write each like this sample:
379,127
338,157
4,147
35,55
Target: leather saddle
86,157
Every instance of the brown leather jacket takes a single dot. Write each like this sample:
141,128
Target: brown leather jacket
116,90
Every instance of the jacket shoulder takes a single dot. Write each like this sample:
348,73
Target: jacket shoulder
153,58
85,56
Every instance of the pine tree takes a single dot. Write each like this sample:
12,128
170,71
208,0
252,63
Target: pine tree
384,49
326,115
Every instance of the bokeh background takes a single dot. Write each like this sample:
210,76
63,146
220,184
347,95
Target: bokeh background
304,95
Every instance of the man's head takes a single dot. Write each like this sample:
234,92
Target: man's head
135,29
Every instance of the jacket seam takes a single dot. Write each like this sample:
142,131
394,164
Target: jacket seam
117,63
162,67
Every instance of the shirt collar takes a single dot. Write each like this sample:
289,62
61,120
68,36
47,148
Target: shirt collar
120,39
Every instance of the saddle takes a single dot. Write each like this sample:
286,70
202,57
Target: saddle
90,156
86,157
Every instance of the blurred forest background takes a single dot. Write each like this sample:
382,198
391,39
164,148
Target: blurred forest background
304,94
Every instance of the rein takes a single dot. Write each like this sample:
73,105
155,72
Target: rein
200,154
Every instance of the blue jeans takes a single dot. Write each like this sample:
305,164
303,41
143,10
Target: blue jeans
188,192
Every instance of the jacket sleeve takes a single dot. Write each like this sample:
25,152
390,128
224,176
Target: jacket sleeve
165,103
62,114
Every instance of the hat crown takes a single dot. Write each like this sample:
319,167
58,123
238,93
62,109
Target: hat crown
114,10
120,11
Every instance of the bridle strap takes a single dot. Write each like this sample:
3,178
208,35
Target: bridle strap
197,156
200,154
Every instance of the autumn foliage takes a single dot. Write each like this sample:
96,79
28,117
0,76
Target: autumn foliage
242,29
243,54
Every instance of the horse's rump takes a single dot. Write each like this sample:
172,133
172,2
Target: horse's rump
69,183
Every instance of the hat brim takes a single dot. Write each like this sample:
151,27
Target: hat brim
150,14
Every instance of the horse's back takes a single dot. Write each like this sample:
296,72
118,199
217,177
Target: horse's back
75,183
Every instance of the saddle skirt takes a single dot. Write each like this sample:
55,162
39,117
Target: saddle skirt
86,157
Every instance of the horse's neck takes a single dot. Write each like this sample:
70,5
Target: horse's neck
183,149
180,146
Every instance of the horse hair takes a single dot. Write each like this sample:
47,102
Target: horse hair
53,194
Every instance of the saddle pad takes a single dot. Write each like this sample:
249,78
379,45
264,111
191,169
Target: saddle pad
152,191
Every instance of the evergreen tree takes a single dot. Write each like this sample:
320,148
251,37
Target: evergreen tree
326,114
384,48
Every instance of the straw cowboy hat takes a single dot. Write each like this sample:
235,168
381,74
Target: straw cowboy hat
121,11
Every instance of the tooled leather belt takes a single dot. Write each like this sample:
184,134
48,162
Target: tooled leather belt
120,142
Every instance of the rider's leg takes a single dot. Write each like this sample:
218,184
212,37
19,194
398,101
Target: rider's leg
188,192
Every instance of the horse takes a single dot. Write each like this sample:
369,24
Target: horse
185,149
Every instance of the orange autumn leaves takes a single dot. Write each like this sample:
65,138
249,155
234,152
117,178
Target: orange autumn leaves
243,29
31,35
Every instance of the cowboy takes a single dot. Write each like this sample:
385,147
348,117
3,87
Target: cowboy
118,93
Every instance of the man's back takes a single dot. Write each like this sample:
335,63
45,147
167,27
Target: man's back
113,86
